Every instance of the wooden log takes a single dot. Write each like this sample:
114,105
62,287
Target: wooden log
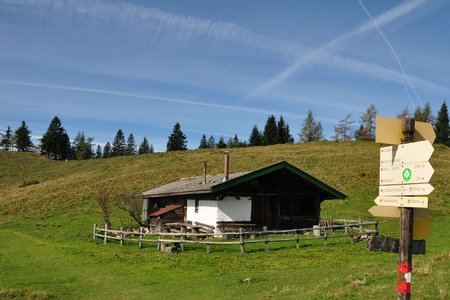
266,239
241,240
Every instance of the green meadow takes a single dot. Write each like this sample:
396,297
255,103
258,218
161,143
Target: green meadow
48,208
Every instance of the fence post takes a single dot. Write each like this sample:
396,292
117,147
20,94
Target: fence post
121,236
105,234
350,228
325,237
376,227
241,240
95,230
361,230
158,245
297,245
345,226
208,245
140,237
266,239
183,237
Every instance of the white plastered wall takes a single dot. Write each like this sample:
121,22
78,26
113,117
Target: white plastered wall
234,209
227,209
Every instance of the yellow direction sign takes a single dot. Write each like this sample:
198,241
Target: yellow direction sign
407,201
406,153
389,131
394,212
406,173
423,189
421,228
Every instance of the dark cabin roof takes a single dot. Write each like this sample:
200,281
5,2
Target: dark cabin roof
216,185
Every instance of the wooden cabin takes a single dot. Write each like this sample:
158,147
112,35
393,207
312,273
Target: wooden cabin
279,196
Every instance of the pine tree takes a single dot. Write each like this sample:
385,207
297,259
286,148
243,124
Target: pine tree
255,138
55,143
177,140
404,114
107,150
368,122
131,145
343,129
119,145
211,142
424,114
83,146
203,142
442,126
311,130
270,134
98,153
283,134
151,149
221,143
23,138
7,139
144,147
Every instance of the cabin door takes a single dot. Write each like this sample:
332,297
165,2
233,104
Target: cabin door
265,211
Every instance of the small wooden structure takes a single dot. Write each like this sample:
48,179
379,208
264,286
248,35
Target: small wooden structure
279,196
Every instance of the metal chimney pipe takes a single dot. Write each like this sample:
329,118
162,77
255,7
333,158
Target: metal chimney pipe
226,166
204,172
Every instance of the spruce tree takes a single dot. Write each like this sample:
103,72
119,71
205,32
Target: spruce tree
311,130
119,145
211,142
7,139
343,130
144,147
404,114
98,153
283,134
83,146
177,140
203,142
255,138
270,134
23,138
442,126
131,145
424,114
151,149
107,150
55,143
221,143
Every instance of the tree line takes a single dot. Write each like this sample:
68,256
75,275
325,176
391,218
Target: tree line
55,143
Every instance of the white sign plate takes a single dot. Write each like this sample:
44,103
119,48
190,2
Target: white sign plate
394,212
406,173
423,189
402,201
406,153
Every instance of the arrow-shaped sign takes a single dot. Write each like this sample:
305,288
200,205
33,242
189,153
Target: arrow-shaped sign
406,153
423,189
394,212
389,131
406,173
402,201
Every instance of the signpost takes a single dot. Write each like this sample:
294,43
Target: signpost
404,176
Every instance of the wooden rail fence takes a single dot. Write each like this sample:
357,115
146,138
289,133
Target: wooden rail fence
352,229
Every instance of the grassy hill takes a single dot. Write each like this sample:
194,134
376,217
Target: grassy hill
47,210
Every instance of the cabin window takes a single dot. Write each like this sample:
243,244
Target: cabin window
196,205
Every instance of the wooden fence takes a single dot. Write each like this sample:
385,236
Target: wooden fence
352,229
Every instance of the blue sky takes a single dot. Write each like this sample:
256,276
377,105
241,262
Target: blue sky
217,67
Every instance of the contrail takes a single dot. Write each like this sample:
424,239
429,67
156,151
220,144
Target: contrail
396,58
146,97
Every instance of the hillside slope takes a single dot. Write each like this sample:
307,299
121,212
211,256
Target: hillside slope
47,210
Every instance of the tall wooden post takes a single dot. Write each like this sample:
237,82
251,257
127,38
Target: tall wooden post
406,231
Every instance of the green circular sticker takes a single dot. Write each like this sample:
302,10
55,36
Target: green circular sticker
407,174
